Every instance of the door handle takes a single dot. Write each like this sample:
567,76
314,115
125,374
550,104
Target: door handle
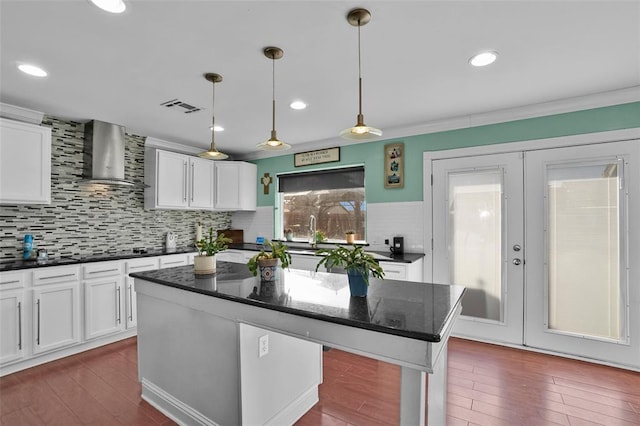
19,325
131,303
38,324
517,261
118,318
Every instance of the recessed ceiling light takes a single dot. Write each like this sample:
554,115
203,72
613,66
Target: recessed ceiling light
113,6
32,70
298,105
483,59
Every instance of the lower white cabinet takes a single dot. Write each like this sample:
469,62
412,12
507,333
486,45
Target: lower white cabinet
403,271
11,325
173,260
103,299
56,316
131,307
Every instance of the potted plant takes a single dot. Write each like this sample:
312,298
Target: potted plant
320,236
350,236
267,262
205,261
358,264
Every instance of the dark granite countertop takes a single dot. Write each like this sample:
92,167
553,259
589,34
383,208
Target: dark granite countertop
14,265
103,257
403,308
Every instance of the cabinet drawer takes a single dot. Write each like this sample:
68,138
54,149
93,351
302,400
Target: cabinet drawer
9,280
140,265
101,269
173,260
394,271
56,275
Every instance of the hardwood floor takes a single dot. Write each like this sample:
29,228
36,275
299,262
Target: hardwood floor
488,385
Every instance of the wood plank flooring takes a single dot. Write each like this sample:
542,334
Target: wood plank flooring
488,385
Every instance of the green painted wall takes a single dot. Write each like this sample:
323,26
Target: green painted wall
370,154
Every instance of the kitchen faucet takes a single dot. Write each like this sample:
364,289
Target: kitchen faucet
312,230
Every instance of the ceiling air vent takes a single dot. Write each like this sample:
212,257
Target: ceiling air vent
177,104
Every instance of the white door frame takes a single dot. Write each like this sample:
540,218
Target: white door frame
560,142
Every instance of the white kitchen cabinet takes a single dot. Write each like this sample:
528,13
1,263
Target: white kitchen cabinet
235,256
403,271
103,299
55,308
235,185
173,260
25,163
11,325
306,262
131,308
178,181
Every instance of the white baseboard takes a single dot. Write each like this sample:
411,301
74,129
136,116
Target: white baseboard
171,407
183,414
296,409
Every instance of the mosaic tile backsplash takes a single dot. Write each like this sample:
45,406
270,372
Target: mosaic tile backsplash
88,219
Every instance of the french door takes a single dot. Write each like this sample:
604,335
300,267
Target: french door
478,238
547,243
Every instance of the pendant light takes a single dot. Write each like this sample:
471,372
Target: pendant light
359,17
213,153
273,144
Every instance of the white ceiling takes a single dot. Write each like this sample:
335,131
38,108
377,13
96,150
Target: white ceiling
120,68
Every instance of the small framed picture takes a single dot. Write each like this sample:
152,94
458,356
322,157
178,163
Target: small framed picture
394,165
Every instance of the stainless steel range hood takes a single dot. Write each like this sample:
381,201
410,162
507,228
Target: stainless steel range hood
104,153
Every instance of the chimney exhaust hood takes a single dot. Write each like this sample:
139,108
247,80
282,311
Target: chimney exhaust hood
104,153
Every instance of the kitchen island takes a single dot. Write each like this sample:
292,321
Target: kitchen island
201,341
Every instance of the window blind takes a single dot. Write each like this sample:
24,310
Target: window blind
350,177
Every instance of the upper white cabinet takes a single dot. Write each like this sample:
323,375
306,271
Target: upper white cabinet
236,185
25,163
177,181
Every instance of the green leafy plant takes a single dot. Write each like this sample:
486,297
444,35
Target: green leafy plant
320,236
350,232
278,251
350,259
208,245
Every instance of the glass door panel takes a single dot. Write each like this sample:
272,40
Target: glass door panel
474,239
584,250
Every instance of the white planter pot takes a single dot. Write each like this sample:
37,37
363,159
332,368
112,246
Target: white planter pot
204,265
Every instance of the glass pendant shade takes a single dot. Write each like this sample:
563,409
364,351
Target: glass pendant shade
359,17
213,153
273,143
360,131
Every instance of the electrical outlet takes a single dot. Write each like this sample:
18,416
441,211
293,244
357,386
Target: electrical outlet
386,241
263,346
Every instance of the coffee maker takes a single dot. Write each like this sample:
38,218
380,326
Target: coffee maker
398,245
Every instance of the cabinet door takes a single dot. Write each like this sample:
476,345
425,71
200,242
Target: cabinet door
56,317
102,306
201,173
227,186
25,163
11,326
171,180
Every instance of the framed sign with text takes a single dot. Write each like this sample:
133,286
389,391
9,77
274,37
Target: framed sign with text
319,156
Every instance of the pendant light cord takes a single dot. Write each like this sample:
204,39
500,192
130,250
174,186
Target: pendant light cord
213,117
273,93
359,74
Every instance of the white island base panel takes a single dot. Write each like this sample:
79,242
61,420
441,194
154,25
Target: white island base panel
199,368
190,344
